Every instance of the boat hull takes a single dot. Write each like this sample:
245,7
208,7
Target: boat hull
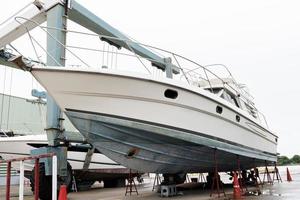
151,148
124,114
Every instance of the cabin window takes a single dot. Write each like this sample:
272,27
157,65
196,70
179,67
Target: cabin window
236,102
171,94
219,109
251,110
214,90
238,118
230,98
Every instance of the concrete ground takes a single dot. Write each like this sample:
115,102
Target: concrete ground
284,190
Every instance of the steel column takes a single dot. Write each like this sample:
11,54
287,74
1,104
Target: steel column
21,183
55,18
54,177
8,171
36,179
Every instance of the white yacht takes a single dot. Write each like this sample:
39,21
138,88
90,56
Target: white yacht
162,125
176,116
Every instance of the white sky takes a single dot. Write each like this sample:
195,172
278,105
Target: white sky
258,40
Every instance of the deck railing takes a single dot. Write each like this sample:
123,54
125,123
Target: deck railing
191,71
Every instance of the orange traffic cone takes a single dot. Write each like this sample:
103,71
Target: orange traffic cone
288,175
236,187
62,193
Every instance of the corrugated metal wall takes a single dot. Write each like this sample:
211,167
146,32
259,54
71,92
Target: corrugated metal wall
24,116
14,175
21,116
3,170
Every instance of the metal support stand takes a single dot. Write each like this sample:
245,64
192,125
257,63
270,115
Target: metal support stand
240,177
256,173
168,191
74,185
267,175
187,179
256,177
276,173
201,178
88,158
216,184
131,184
157,181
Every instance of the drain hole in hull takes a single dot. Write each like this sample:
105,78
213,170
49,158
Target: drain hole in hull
132,152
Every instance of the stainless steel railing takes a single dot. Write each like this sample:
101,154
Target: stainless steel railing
191,71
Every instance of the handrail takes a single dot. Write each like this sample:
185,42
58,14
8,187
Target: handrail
207,72
47,155
16,18
230,75
212,73
37,159
149,46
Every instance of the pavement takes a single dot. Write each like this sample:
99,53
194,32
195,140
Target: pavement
284,190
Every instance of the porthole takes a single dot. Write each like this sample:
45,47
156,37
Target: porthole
132,152
219,109
171,94
238,118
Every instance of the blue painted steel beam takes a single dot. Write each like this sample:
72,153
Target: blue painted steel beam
56,55
89,20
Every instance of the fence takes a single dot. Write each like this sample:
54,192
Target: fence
36,175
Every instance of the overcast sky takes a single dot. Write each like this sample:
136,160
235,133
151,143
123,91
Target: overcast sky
258,40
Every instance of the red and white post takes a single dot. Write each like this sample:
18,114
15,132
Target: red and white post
36,175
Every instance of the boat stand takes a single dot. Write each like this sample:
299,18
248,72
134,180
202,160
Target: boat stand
240,177
256,178
157,181
267,175
201,178
276,173
131,187
187,179
74,185
216,183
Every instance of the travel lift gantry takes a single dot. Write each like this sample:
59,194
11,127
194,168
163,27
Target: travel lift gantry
56,13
